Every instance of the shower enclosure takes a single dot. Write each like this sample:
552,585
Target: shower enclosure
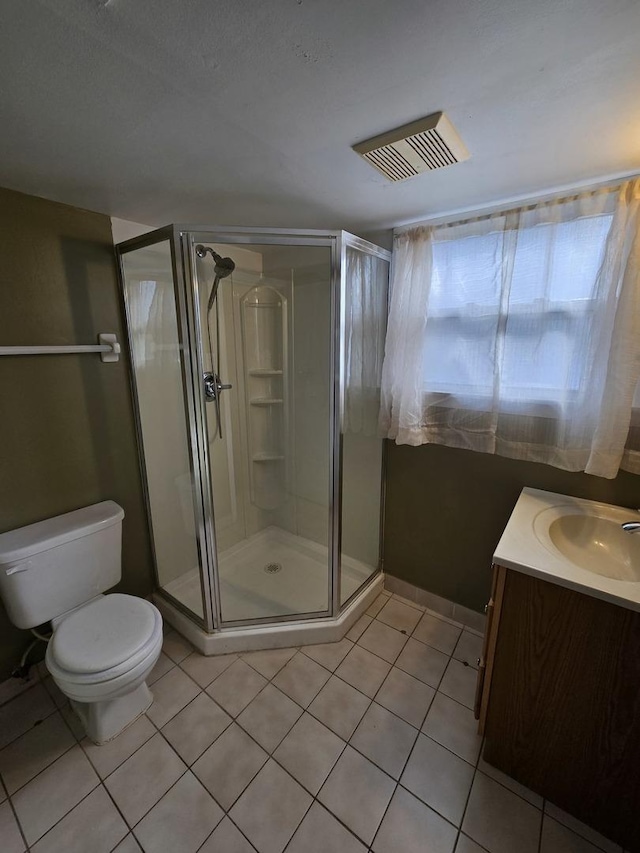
256,357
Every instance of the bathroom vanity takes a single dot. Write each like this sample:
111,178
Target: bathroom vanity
558,696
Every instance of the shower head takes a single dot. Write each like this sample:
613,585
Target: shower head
223,266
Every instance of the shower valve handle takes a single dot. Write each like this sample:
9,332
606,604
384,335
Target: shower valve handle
213,386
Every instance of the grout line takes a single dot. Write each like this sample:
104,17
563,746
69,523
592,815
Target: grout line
17,820
224,815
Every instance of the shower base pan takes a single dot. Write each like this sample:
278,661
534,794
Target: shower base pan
269,575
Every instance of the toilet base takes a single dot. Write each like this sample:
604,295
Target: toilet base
103,721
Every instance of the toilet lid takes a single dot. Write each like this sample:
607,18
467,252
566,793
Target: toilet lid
104,633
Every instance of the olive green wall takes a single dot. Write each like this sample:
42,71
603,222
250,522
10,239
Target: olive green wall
446,510
67,436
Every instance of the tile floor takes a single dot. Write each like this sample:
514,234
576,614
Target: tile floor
366,744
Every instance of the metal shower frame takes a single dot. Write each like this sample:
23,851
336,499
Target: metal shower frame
182,240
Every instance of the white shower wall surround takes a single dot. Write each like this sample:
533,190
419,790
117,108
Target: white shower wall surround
246,526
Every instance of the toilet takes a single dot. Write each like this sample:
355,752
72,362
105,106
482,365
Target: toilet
103,647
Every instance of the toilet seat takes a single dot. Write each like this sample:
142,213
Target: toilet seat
100,649
107,632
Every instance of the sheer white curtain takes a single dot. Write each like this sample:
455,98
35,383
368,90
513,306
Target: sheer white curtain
365,324
519,333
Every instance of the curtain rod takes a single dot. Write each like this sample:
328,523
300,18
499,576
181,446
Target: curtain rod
464,214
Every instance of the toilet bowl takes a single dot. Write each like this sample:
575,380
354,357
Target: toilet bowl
103,647
100,656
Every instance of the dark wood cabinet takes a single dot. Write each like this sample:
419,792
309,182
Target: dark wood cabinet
559,700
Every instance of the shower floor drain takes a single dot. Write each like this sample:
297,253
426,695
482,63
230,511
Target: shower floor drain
272,568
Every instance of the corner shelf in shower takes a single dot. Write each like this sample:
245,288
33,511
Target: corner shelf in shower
265,347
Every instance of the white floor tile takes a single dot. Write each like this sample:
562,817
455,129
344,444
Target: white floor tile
357,793
517,788
400,616
269,662
94,824
340,707
269,717
176,647
236,687
181,821
411,827
59,699
170,694
499,820
301,679
423,662
469,648
385,739
376,606
271,809
329,655
73,722
26,756
109,756
363,670
439,778
557,838
226,838
320,832
54,792
147,775
466,845
459,682
581,829
196,727
383,641
12,841
128,845
405,696
358,629
162,667
437,633
230,763
309,752
453,725
205,668
20,714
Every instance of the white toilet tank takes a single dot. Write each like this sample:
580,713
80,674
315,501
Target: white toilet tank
55,565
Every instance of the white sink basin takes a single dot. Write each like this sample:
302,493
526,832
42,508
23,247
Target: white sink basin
590,536
575,543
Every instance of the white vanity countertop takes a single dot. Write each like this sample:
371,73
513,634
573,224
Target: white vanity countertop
525,547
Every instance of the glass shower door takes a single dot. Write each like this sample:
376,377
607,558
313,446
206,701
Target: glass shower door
161,383
266,355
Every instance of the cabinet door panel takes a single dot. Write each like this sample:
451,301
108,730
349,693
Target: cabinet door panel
564,709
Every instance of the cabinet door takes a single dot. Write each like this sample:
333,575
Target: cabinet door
564,711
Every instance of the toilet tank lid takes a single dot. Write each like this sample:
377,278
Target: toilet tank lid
27,541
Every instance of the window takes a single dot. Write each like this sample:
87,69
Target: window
523,349
518,333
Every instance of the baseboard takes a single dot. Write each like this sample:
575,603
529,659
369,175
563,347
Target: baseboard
442,606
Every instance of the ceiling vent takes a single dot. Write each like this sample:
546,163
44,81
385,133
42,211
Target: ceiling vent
429,143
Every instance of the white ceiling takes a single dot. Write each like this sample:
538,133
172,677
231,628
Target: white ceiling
243,111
